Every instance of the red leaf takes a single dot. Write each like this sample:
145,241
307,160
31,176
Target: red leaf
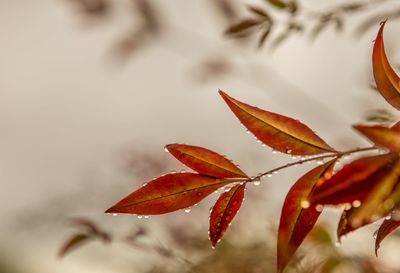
168,193
353,181
282,133
73,242
224,211
205,161
344,226
373,206
382,136
387,81
387,227
297,219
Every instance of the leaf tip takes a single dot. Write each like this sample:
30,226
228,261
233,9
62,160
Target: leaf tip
111,210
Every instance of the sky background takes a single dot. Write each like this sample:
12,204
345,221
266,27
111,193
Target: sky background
71,117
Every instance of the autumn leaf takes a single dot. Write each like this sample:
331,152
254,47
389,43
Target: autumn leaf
73,242
168,193
372,207
387,227
205,161
344,226
224,211
387,81
282,133
353,181
382,136
378,203
297,218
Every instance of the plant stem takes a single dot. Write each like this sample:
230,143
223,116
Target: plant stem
299,162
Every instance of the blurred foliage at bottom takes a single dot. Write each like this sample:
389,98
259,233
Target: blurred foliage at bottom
191,253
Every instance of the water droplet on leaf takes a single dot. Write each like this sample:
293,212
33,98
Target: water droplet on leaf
305,204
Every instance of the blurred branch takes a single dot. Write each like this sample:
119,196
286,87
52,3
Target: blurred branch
297,19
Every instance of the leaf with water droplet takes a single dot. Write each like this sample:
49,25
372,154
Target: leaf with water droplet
382,136
344,226
281,133
372,207
223,212
386,79
353,181
169,193
387,227
296,221
205,161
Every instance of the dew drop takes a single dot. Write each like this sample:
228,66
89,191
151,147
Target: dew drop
375,235
294,157
305,204
388,217
140,216
319,208
288,151
257,183
337,244
274,151
248,132
269,174
356,203
115,214
166,150
187,210
146,216
275,172
320,162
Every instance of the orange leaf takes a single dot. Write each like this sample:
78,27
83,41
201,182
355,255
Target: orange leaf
168,193
353,181
373,207
297,218
382,136
205,161
387,81
224,211
282,133
387,227
344,226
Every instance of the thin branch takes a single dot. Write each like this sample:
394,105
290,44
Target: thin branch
314,158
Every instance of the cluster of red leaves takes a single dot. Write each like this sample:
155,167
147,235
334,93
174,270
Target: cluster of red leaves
368,188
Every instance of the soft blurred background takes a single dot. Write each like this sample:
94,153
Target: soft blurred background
92,90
